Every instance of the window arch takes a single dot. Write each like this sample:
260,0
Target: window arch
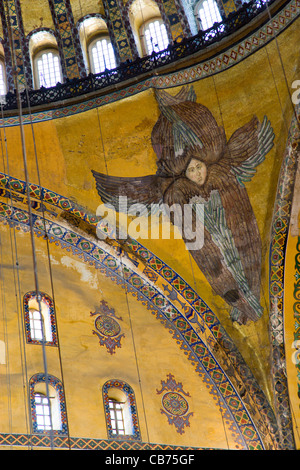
40,322
45,58
97,48
48,410
141,14
120,410
207,13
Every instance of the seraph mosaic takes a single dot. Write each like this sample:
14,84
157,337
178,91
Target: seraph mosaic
198,166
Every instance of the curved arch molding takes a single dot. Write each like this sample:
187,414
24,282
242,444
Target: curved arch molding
192,324
222,61
279,237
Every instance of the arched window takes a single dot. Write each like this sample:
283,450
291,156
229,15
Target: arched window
120,410
96,46
154,34
101,55
2,78
47,69
45,59
147,26
40,322
47,405
207,13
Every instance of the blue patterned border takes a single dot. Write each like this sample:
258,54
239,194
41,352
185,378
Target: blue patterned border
179,325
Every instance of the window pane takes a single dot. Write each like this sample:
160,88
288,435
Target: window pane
2,81
116,418
36,327
42,410
103,56
48,69
208,14
156,38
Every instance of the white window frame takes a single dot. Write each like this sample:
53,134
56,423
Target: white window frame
101,54
53,75
43,412
40,322
150,43
116,411
48,415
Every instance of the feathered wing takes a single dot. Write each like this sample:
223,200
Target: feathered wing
220,258
248,147
122,192
187,125
177,135
185,94
215,223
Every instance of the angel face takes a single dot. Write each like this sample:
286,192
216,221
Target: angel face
196,171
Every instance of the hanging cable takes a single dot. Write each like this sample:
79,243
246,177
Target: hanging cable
122,273
6,342
48,257
25,167
134,348
15,266
48,248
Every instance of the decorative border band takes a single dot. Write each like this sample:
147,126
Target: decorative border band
83,443
222,61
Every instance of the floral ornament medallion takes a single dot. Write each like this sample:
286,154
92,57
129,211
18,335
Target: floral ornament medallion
107,327
174,404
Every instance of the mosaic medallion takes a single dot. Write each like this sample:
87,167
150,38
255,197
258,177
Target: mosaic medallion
174,404
107,327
